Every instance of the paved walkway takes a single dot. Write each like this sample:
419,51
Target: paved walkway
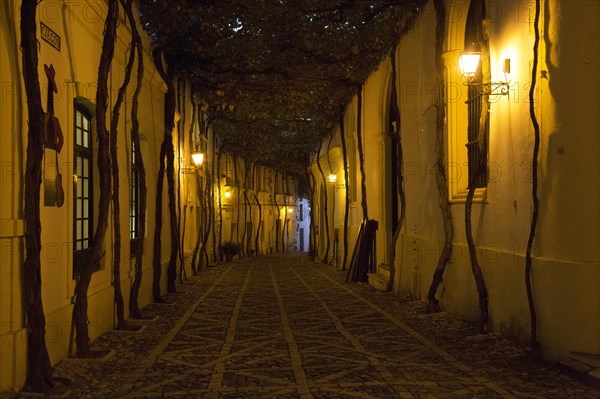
284,327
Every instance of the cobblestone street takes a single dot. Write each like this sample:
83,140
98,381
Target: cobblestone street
285,327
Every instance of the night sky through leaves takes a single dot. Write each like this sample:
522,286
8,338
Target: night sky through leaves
275,74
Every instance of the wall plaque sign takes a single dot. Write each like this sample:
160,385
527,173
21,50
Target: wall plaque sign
50,36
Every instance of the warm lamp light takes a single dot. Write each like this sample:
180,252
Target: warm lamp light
332,178
227,194
469,61
198,158
290,210
506,67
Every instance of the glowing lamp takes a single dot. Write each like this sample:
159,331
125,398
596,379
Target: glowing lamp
332,178
227,194
469,61
198,158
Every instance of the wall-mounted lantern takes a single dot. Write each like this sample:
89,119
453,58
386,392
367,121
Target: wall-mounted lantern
469,62
185,169
227,194
332,178
197,158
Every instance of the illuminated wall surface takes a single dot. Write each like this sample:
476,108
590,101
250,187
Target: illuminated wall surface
566,270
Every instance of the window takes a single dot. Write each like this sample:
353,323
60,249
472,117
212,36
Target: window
464,109
285,184
477,152
278,184
83,198
234,232
133,201
230,173
259,179
250,178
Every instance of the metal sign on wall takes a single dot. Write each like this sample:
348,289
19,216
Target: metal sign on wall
50,36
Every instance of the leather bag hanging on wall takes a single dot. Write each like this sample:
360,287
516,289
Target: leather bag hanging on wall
53,140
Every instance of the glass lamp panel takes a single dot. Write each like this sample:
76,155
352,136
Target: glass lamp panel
469,63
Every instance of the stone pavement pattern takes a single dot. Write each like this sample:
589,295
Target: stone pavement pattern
285,327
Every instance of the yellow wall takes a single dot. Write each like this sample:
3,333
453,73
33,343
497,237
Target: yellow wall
566,265
80,26
566,268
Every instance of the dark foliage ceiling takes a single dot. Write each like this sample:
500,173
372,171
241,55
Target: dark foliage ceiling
276,73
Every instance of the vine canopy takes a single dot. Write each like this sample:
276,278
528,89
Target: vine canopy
275,74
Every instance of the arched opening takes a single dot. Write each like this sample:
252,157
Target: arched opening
393,126
465,30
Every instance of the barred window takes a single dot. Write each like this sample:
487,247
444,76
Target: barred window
134,209
83,198
477,147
